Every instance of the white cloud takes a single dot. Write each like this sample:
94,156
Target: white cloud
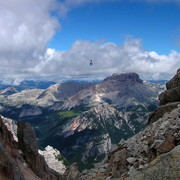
25,29
108,58
26,26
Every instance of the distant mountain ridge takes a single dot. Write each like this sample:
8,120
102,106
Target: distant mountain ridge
158,81
27,84
40,98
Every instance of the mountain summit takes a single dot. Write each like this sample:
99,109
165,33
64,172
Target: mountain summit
127,78
119,89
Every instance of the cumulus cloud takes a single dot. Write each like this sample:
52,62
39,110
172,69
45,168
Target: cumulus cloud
25,29
108,58
27,26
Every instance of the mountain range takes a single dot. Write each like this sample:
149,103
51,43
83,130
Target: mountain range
153,153
84,120
26,84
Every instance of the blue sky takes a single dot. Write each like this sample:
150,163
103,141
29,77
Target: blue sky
55,39
156,24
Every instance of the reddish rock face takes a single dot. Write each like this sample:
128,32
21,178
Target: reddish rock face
119,163
21,161
166,146
28,144
9,168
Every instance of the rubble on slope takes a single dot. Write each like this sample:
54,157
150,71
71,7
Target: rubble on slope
137,152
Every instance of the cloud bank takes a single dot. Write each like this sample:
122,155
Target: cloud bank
27,26
108,58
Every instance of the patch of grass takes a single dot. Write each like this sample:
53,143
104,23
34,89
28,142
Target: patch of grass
68,114
62,158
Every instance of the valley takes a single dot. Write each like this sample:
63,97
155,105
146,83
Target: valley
84,121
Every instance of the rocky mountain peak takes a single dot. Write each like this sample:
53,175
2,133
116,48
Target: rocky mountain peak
126,78
119,89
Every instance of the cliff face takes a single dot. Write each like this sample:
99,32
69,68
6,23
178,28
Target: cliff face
9,167
154,153
54,159
21,160
172,94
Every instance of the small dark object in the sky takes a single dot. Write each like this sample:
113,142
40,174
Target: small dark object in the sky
91,63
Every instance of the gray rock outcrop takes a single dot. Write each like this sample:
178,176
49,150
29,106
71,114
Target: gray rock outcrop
169,99
172,94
